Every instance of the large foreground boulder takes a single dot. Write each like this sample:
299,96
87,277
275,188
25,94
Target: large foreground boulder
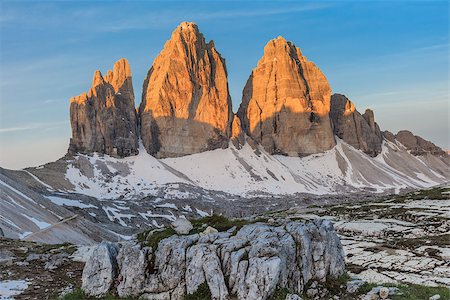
248,264
101,270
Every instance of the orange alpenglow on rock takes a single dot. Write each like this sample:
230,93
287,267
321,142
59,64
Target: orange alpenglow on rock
237,134
104,120
286,101
186,105
360,131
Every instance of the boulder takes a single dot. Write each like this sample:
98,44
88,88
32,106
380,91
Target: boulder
100,271
104,119
186,105
389,136
132,262
250,264
359,131
182,225
210,230
286,101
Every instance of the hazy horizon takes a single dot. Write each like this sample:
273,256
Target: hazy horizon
391,57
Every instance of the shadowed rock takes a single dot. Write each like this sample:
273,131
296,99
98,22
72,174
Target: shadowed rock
418,145
360,131
186,106
104,120
286,101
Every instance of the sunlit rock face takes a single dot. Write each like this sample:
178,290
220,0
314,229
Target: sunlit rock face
286,101
237,134
418,145
186,106
104,119
360,131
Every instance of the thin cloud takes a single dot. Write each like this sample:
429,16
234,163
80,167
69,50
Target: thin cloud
149,21
33,126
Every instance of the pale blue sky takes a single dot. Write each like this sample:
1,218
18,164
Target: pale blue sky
391,56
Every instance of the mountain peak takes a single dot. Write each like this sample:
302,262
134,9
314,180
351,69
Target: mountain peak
286,101
109,125
185,96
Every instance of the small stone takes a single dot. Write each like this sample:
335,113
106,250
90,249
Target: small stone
293,297
384,293
435,297
182,226
354,285
210,230
55,261
312,292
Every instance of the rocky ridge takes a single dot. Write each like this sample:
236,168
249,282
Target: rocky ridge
186,105
286,101
250,263
104,119
415,144
360,131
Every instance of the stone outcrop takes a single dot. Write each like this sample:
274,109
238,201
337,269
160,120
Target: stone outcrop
186,106
417,145
104,119
370,119
286,101
389,136
359,131
249,264
101,270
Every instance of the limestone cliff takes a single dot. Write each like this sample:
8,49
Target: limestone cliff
286,101
104,119
418,145
360,131
186,106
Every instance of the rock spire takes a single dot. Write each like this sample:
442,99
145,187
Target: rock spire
104,119
286,101
186,105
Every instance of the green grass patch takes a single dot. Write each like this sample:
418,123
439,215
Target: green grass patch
151,238
202,293
336,285
411,292
279,294
220,223
438,193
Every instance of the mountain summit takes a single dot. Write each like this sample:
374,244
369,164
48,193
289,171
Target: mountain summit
104,120
286,101
186,105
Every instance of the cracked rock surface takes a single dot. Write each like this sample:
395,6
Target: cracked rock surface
248,264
